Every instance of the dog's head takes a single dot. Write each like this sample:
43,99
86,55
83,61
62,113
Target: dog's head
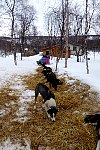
93,119
52,112
48,69
59,82
45,72
42,64
90,119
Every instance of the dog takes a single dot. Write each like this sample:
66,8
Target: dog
45,73
46,70
51,77
49,102
95,121
45,67
53,81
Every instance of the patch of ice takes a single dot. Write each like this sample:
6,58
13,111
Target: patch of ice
21,119
98,145
70,82
4,112
28,93
8,145
22,111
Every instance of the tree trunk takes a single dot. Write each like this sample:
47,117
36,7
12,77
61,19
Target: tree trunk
12,37
77,55
86,31
58,57
87,66
67,31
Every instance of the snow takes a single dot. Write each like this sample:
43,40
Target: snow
78,70
9,146
98,145
9,73
74,69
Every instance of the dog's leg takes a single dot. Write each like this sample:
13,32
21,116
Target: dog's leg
50,85
36,95
54,86
46,109
35,104
43,106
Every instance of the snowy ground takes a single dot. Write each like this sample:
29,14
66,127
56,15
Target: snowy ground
77,70
11,74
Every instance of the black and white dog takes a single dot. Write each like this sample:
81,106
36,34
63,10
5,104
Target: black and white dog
49,102
95,121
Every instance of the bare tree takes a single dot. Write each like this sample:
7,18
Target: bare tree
50,26
1,8
86,32
11,10
33,30
26,19
66,29
61,22
77,29
57,27
96,25
88,19
85,22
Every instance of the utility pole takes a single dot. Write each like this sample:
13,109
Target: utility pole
66,30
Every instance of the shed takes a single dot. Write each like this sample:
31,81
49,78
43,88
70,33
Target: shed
54,50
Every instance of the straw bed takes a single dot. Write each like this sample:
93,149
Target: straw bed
68,132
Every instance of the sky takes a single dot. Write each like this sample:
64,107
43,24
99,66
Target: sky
9,73
42,7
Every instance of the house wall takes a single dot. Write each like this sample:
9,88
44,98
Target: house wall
55,49
71,47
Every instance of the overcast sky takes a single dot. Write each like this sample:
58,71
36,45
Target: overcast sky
42,7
